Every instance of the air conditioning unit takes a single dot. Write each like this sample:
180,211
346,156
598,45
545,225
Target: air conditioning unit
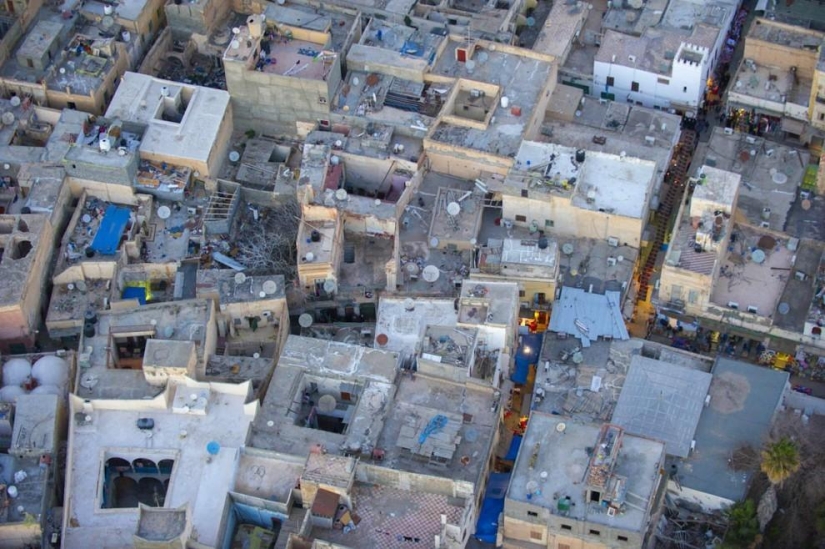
611,261
613,242
750,139
752,309
733,305
650,140
800,275
728,131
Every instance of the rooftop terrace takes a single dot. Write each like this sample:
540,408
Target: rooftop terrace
522,80
562,448
754,272
771,173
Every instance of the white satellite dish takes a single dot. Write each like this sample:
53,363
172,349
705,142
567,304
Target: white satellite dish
70,286
240,278
164,212
409,304
355,81
270,287
15,101
453,208
329,285
430,273
310,257
561,427
7,118
341,194
305,320
327,404
234,156
234,44
236,30
62,70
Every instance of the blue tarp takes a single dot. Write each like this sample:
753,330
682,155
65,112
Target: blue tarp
111,229
491,507
512,453
135,293
526,355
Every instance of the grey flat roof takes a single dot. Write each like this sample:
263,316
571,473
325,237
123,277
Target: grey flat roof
744,398
588,316
662,401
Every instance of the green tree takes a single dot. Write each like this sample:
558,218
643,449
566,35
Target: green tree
743,526
780,460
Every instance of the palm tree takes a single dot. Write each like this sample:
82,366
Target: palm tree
780,460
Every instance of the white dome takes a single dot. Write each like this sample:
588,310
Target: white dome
16,371
11,392
46,390
51,370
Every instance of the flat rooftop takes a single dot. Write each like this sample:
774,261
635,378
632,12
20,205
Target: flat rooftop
195,481
562,452
771,173
624,193
743,399
177,321
624,127
472,416
799,296
561,27
784,35
359,378
662,401
199,112
129,10
754,272
520,258
20,241
457,215
403,321
500,298
768,87
816,313
231,288
521,78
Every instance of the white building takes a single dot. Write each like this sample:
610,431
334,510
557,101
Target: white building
668,66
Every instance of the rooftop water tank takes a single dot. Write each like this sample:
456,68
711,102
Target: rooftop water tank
16,371
51,370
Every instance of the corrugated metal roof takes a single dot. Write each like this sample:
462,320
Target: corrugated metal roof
662,401
588,316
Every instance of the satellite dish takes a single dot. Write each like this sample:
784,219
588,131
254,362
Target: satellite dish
758,256
409,304
309,257
430,273
7,118
531,21
15,101
212,448
62,70
327,404
240,278
532,486
453,208
164,212
305,320
234,156
779,178
377,202
107,22
341,194
262,294
80,285
567,248
434,242
270,287
236,30
329,285
355,81
234,44
70,286
471,65
784,308
561,427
